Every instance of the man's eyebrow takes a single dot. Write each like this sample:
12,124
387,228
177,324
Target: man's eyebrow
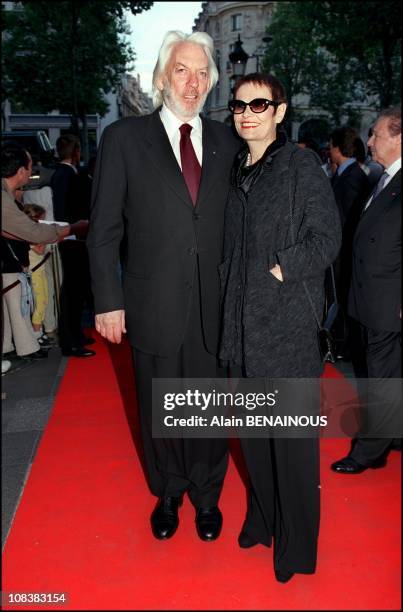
187,67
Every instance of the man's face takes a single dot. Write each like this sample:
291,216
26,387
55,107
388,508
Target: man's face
334,153
185,84
23,173
384,147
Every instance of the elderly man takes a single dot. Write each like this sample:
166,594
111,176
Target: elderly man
162,181
375,293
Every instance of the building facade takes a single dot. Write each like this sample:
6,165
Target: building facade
225,21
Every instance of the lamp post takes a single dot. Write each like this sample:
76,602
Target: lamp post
239,58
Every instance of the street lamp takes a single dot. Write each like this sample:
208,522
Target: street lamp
238,59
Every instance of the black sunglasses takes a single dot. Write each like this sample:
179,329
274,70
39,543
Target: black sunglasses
258,105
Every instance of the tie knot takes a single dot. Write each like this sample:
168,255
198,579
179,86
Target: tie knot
185,129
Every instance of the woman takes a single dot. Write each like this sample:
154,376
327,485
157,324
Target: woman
269,327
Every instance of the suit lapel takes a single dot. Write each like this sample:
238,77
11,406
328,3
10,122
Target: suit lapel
380,203
211,166
161,155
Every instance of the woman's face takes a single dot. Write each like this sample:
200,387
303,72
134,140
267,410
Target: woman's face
259,127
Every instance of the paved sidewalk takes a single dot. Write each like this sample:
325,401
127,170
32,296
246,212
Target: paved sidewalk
28,392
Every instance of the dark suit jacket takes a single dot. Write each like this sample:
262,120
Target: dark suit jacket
139,192
351,190
70,199
375,294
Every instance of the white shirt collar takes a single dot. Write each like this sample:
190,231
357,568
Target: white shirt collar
71,166
395,167
172,123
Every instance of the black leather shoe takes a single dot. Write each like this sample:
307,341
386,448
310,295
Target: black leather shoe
348,465
78,351
283,576
245,541
41,354
208,523
165,519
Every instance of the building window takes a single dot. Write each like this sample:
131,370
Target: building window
236,21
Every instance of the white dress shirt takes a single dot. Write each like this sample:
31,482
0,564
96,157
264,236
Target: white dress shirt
391,171
172,124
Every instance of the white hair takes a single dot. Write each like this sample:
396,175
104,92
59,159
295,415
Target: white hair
171,39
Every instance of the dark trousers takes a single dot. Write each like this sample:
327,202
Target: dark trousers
197,466
284,499
74,292
377,355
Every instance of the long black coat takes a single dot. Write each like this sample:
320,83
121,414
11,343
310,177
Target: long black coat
139,193
268,324
375,294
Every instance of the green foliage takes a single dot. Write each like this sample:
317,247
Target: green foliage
63,55
337,53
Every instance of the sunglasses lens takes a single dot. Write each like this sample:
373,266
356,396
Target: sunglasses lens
258,105
237,106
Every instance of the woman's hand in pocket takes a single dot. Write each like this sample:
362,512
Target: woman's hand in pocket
276,271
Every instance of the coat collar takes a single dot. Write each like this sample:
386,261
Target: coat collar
160,152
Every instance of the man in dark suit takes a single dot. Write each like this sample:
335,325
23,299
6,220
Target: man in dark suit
161,181
69,205
375,293
351,188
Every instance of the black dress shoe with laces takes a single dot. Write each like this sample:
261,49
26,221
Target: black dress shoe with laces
165,519
208,523
77,351
245,541
283,576
348,465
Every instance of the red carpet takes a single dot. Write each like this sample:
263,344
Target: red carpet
82,526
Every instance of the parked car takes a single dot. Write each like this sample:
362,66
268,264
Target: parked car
36,142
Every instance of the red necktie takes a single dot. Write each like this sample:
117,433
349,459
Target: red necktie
191,169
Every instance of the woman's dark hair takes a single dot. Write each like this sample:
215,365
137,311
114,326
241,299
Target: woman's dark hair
13,157
310,143
275,85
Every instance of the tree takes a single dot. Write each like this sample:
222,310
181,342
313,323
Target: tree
65,55
337,53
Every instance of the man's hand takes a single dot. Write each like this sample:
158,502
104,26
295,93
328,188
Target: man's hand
111,325
276,271
79,229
